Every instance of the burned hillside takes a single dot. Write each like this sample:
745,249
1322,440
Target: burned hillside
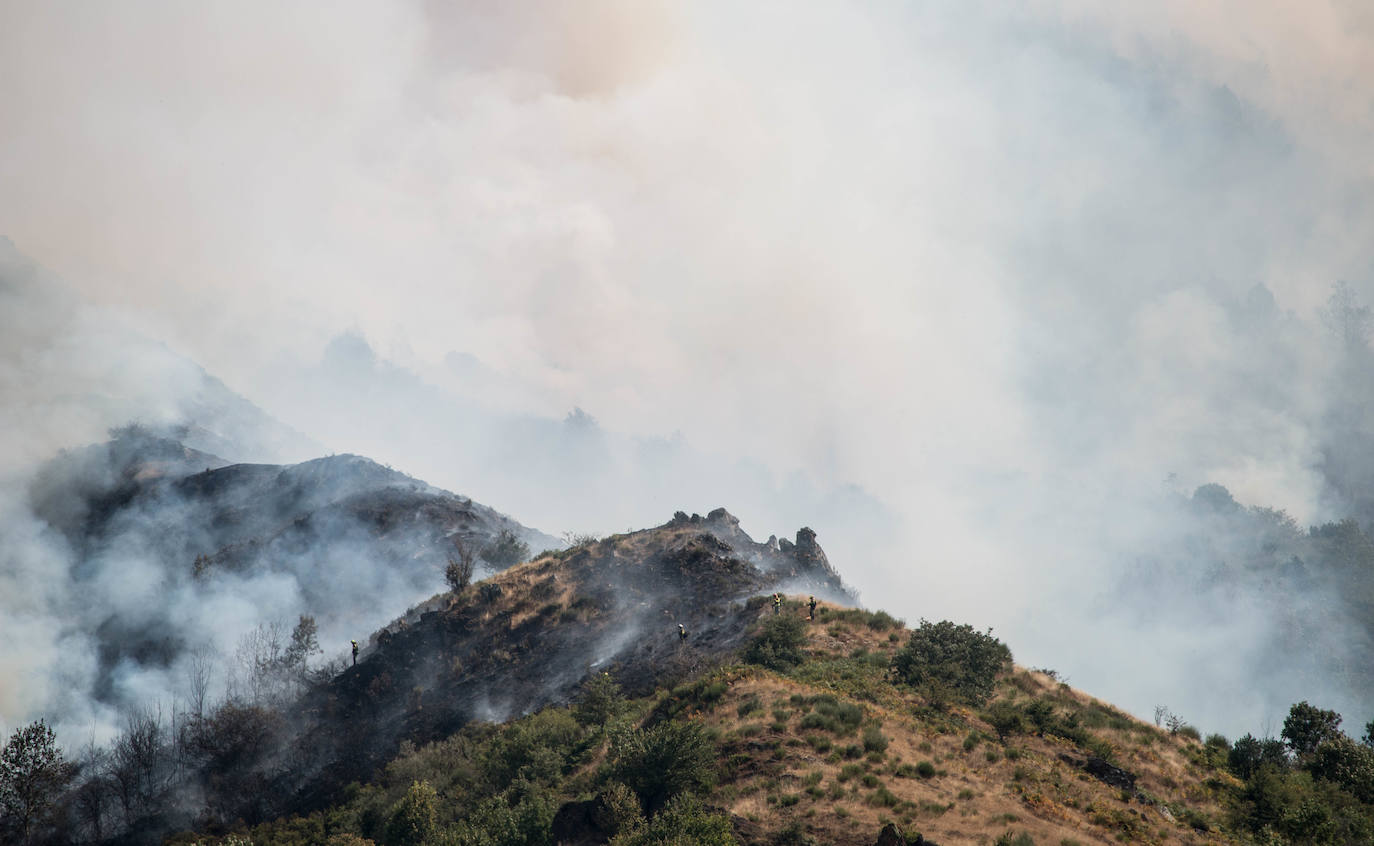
527,637
179,554
516,642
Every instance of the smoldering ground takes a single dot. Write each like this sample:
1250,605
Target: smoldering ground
1003,271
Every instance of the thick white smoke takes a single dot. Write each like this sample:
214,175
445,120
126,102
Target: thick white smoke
999,270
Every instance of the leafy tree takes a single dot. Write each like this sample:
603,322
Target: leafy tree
505,820
1308,727
303,644
506,550
778,645
1347,763
1368,738
1248,754
682,821
33,773
601,699
663,761
945,659
619,811
536,749
415,817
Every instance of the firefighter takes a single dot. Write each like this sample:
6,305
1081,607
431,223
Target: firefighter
355,652
812,606
681,633
777,602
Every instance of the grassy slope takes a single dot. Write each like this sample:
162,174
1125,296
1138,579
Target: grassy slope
981,787
834,783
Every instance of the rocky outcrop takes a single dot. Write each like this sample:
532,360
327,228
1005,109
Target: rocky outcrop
798,566
892,836
1103,771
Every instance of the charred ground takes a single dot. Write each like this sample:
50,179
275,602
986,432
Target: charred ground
528,637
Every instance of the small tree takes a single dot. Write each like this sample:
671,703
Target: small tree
33,773
506,550
1308,727
459,572
945,659
415,817
663,761
304,643
1005,718
600,700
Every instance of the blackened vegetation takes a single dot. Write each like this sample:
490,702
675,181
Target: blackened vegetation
334,527
529,637
541,633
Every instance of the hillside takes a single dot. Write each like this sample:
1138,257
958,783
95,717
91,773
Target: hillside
178,554
558,701
830,751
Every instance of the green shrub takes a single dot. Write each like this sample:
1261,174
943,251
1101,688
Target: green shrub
882,798
1346,763
875,740
599,701
622,814
1013,839
537,749
506,550
925,769
830,714
881,621
1249,753
794,834
682,820
663,761
750,705
414,818
945,660
778,645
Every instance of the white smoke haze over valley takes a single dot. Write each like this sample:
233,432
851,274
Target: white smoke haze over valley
981,296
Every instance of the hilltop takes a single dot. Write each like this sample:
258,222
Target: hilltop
558,701
555,703
174,551
830,750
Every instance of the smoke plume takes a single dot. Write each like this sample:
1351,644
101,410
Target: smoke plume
958,287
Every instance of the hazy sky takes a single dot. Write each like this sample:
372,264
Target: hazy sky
998,268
